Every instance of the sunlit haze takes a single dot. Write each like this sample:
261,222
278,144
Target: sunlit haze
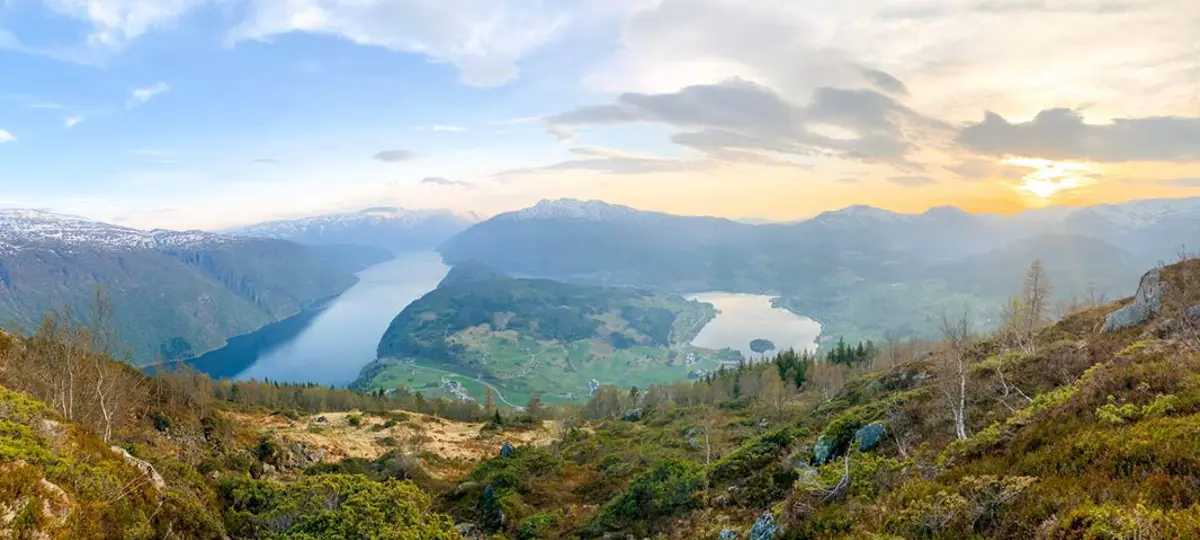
212,113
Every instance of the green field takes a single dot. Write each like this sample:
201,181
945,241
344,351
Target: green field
528,337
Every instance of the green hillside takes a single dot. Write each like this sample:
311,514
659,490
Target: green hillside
176,303
536,336
1082,428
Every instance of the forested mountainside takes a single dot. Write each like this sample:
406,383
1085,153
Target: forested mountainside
836,265
1081,428
392,229
176,294
537,336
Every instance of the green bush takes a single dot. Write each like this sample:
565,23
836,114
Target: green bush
332,506
670,488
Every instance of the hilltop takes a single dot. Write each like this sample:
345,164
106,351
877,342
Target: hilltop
521,337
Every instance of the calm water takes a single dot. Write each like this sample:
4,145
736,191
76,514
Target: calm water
330,346
744,317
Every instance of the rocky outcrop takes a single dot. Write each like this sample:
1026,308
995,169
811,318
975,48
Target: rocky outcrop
765,528
147,469
869,436
1147,302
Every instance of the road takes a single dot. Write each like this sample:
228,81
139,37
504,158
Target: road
499,394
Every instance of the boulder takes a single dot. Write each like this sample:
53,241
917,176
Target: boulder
869,436
728,534
147,469
1147,302
765,528
823,451
506,450
322,420
763,423
632,415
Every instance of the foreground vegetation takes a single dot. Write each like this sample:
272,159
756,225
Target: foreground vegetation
1036,431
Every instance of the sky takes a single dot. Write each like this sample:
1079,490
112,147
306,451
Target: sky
214,113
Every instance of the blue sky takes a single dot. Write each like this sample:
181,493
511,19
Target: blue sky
208,113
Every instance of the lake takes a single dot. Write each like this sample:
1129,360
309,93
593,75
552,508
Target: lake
744,317
329,346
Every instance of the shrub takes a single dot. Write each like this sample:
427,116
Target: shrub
671,487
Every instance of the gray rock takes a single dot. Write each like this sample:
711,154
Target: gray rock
1147,302
1193,314
322,420
763,423
147,469
469,531
632,415
506,450
269,469
728,534
869,436
765,528
823,451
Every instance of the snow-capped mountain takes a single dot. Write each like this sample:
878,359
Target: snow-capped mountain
24,228
394,229
591,210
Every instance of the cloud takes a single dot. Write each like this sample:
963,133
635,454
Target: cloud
619,165
109,24
738,120
885,81
1063,134
47,105
7,136
982,169
72,121
484,39
141,95
394,156
443,181
912,181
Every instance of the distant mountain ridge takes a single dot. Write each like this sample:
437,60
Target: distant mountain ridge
855,256
176,294
390,228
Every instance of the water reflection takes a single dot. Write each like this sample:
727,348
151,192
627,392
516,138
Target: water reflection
745,317
329,346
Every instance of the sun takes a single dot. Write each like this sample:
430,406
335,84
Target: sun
1051,177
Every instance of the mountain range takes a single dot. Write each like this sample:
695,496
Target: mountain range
858,256
175,294
393,229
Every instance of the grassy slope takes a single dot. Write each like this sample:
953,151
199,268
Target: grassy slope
1105,449
510,333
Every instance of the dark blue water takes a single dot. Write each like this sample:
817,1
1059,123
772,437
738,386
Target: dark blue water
329,345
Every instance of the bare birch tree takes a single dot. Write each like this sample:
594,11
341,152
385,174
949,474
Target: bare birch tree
956,338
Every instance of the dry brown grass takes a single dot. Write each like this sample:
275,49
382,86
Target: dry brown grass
414,433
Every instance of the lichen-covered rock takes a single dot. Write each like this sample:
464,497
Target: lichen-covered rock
823,451
506,450
632,415
728,534
765,528
1147,302
869,436
147,469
